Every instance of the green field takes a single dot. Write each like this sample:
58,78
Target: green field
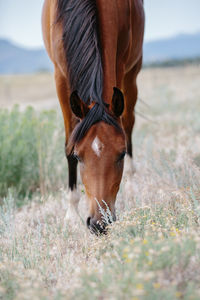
153,250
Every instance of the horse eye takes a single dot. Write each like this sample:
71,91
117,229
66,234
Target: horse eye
121,156
77,157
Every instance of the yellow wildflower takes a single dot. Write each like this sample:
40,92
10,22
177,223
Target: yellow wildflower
156,285
172,233
139,286
125,255
178,294
128,260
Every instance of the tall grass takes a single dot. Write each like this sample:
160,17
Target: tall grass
152,252
31,152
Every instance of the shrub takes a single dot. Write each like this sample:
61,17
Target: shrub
30,151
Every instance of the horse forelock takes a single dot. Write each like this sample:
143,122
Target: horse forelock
82,47
96,114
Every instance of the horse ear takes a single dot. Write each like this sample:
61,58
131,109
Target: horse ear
78,107
117,102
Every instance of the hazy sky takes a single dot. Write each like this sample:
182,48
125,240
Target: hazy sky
20,20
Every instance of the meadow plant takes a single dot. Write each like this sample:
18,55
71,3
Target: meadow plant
31,152
152,251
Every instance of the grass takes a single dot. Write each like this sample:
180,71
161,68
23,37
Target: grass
154,257
153,250
30,149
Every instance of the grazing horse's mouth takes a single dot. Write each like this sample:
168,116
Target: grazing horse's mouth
96,227
99,227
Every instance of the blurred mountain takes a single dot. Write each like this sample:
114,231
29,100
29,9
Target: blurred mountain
183,46
15,59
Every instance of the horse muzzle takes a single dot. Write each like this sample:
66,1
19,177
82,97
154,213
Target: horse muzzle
99,227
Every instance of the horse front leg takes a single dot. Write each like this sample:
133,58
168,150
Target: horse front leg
128,119
73,197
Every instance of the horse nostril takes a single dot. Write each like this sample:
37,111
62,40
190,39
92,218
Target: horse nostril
88,221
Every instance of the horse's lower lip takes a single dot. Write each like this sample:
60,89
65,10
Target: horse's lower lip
97,229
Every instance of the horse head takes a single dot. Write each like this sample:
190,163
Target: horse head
98,143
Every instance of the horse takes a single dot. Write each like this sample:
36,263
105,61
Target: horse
96,49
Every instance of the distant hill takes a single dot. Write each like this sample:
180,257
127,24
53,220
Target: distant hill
183,46
15,59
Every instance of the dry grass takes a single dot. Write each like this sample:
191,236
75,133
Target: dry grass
35,90
153,251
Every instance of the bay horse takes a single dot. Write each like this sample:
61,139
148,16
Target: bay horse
96,49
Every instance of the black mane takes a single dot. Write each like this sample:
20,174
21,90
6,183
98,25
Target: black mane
82,49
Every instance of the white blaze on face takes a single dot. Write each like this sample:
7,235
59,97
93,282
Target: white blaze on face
97,146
